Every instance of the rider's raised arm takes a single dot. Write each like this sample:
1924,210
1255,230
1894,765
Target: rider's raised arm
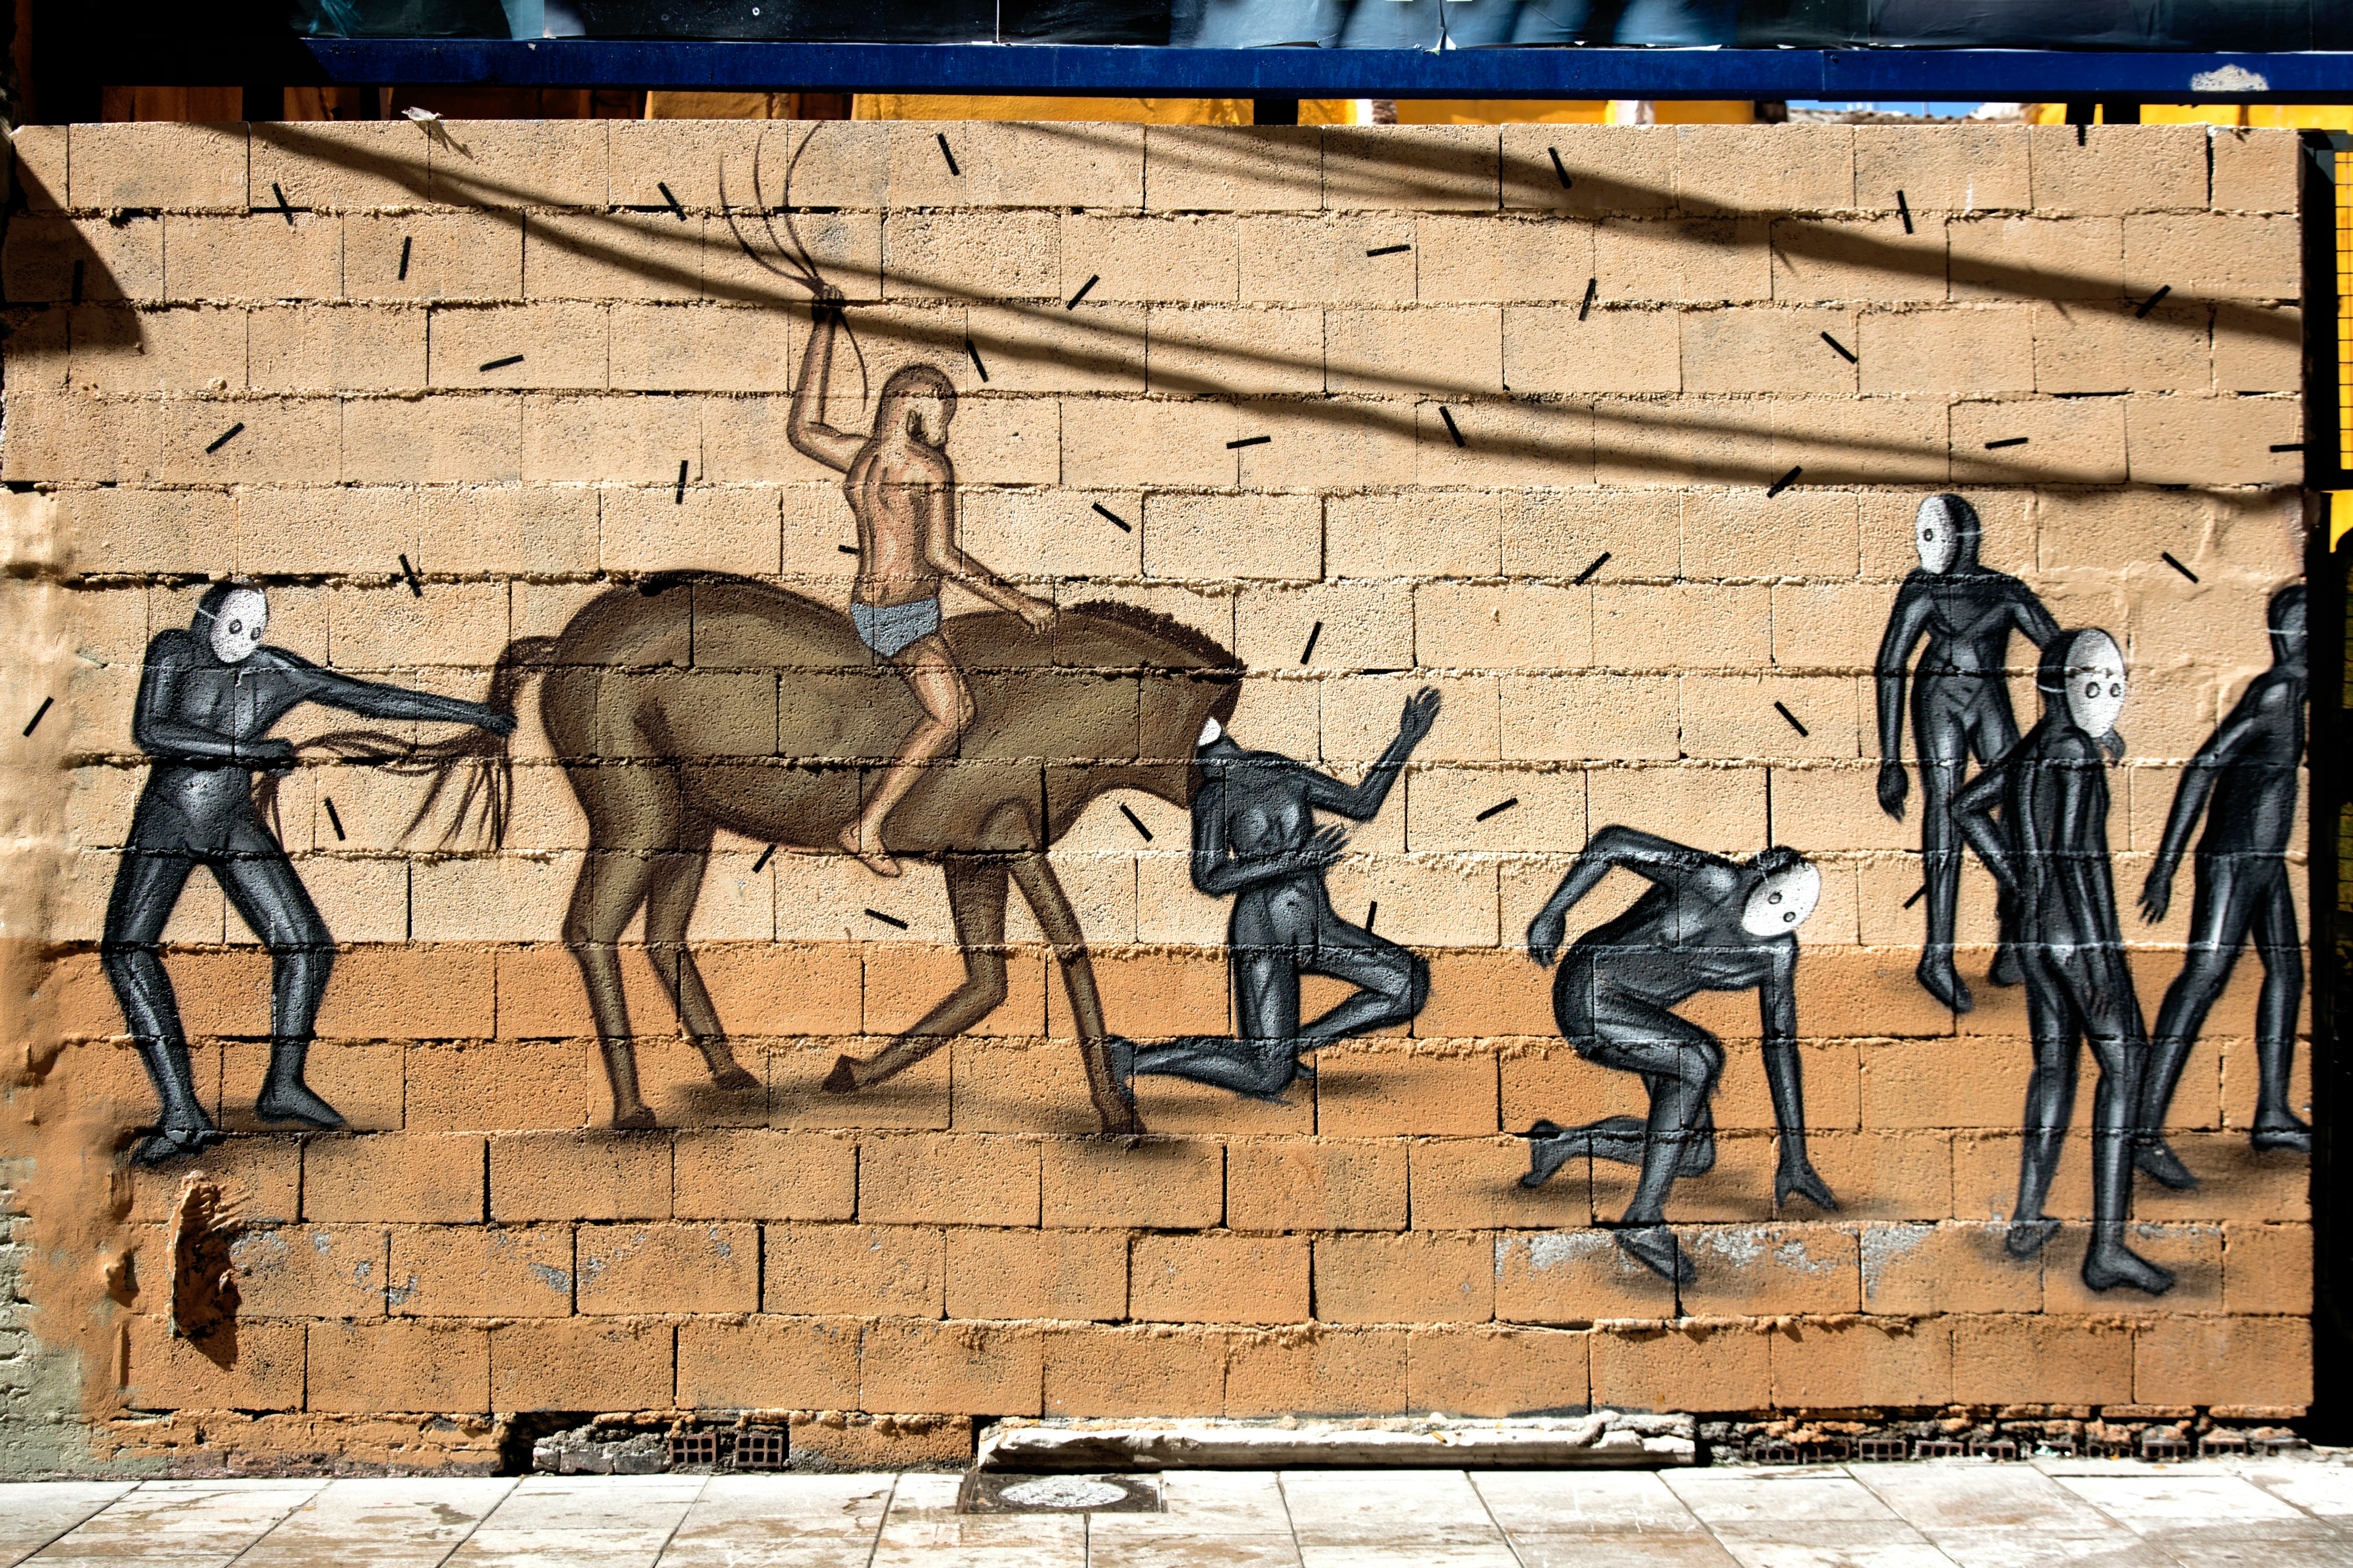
373,701
155,724
805,426
1907,623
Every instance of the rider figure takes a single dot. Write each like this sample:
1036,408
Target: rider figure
1960,704
2244,781
1255,840
207,700
1706,923
901,490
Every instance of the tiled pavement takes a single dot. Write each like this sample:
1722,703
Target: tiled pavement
2096,1513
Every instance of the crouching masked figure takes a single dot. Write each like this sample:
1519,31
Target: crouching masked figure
207,700
2040,819
1707,924
1255,841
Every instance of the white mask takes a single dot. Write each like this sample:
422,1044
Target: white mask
1939,535
2096,683
1782,901
237,629
1210,732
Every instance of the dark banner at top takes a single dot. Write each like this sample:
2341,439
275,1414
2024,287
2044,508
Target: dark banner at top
2197,26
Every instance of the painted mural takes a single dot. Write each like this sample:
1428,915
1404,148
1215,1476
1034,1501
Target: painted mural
1451,698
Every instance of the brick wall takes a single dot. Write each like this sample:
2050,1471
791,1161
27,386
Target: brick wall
1630,349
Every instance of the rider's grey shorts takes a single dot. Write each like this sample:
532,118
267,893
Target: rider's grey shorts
889,628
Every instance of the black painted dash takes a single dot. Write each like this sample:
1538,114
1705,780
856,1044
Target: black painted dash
973,349
1451,428
285,207
1593,287
334,817
2166,556
224,438
888,919
680,498
406,241
1920,893
1387,249
1558,168
1309,651
1599,563
409,572
1785,481
2150,303
38,715
1073,302
765,856
1840,349
1497,809
847,549
490,365
942,137
2007,441
1135,821
672,200
1904,211
1118,522
1372,913
1795,723
2287,446
1248,441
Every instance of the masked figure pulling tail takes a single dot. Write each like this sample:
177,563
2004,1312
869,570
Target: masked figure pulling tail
1706,923
207,700
2040,819
1255,840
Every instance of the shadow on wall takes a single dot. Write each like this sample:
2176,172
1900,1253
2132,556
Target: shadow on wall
1352,164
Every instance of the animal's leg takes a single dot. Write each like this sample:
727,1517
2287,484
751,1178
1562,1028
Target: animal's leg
669,905
977,900
611,886
1115,1103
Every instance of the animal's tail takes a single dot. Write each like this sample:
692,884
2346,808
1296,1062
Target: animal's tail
483,798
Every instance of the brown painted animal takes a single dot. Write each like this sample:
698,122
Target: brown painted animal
689,703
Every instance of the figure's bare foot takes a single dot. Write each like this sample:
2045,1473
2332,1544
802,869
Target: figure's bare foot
2113,1266
2159,1162
168,1143
1654,1246
843,1078
867,850
2027,1237
2282,1132
1941,980
292,1099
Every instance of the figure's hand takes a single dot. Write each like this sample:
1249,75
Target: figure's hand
1894,785
1040,615
1797,1176
499,724
1421,713
1323,848
1545,935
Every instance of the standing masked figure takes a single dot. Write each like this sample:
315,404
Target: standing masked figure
206,702
2040,819
1255,840
1706,924
2244,780
1960,705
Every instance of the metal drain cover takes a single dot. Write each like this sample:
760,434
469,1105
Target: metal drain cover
998,1492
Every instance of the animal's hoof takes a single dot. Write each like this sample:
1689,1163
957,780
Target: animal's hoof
843,1078
638,1120
735,1078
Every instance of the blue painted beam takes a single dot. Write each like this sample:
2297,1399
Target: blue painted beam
1109,71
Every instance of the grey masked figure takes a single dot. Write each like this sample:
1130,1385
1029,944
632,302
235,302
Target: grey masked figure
2243,781
2040,819
1705,923
208,698
1255,841
1960,706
